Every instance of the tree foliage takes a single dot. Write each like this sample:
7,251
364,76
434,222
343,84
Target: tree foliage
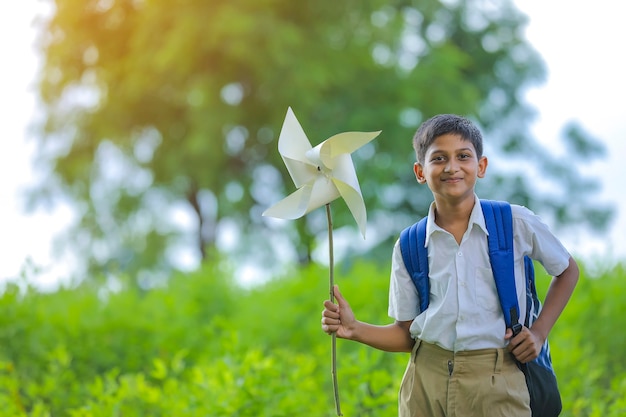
191,348
161,118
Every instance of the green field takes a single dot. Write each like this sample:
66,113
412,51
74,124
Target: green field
205,347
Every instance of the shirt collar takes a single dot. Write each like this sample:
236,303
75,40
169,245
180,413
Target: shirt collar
476,218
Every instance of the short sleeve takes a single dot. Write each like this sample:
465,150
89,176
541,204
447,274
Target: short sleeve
533,238
403,298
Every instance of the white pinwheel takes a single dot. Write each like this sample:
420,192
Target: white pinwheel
321,174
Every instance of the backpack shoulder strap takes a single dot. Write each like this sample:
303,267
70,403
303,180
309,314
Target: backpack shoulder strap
533,305
415,257
499,221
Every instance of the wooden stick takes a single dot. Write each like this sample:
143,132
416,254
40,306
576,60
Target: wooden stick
331,276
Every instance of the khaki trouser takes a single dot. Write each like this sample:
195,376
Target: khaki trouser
478,383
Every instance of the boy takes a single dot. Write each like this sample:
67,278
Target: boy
461,351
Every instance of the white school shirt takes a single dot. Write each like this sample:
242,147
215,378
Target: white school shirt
464,311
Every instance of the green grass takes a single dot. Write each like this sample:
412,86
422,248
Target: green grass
205,347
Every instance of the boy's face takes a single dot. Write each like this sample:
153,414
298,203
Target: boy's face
451,168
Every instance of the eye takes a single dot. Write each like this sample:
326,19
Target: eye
438,158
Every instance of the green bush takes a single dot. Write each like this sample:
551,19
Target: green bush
203,346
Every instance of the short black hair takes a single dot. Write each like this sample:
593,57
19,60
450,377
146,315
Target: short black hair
443,124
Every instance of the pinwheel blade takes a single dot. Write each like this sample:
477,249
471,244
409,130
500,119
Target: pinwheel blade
304,200
354,201
293,146
293,206
344,143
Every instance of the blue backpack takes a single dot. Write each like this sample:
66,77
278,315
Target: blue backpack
540,378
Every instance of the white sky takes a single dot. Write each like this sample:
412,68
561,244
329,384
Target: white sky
581,43
22,237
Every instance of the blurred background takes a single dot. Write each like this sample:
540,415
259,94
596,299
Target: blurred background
138,141
139,149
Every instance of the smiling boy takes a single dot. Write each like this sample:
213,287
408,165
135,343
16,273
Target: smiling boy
462,355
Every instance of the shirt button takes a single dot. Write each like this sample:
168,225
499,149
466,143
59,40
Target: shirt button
460,253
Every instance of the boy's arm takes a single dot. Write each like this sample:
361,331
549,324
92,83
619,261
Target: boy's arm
527,345
339,318
390,338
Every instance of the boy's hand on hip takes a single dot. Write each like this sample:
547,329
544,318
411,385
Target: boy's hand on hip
526,346
338,318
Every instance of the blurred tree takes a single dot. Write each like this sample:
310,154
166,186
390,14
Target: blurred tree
161,118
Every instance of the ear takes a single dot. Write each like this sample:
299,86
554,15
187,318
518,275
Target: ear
482,166
418,169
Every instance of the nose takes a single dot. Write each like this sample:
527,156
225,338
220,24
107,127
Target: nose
451,166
